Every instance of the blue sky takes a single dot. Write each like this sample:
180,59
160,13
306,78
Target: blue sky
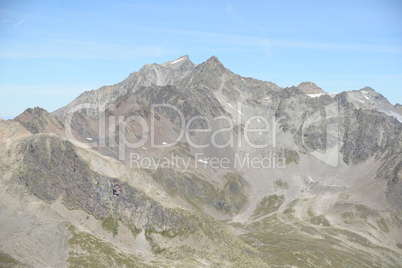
51,51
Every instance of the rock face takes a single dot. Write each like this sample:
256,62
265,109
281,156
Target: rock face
398,108
226,171
38,120
367,98
310,88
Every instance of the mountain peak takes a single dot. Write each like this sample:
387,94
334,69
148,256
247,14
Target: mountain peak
369,89
181,62
213,63
38,120
214,60
310,88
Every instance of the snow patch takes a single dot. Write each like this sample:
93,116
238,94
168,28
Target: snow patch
364,92
176,61
315,95
90,139
164,143
393,114
332,94
144,148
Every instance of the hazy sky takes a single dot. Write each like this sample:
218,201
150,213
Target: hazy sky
51,51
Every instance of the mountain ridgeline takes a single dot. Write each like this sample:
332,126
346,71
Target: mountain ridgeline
186,165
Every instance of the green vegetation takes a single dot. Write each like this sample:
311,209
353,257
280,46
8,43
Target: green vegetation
286,241
214,243
382,224
290,208
348,217
87,250
234,192
156,249
268,204
310,212
280,184
134,230
6,261
199,192
320,220
365,212
110,225
291,156
351,236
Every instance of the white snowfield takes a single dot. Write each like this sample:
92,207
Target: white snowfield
331,94
315,95
176,61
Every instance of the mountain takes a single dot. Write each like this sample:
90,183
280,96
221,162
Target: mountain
310,88
368,98
185,165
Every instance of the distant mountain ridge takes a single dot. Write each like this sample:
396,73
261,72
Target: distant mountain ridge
181,70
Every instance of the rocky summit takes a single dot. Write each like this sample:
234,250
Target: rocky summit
186,165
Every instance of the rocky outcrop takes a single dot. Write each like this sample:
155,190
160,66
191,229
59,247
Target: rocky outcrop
38,120
51,169
310,88
369,133
398,108
368,99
